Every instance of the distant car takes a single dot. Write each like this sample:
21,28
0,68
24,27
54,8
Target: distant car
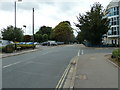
36,43
60,43
52,43
44,43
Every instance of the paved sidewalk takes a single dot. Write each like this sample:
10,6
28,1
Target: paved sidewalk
95,71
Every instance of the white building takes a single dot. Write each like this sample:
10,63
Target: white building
113,15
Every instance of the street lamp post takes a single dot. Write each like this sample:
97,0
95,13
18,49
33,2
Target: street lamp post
33,28
15,28
25,29
15,24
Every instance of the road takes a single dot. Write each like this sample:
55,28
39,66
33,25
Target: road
41,69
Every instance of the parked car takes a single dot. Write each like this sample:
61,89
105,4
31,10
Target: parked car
6,46
36,43
4,43
52,43
44,43
60,43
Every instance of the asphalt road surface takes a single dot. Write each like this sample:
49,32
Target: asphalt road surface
41,69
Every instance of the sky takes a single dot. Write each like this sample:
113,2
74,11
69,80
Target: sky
47,12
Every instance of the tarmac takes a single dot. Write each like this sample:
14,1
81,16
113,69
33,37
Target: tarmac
86,71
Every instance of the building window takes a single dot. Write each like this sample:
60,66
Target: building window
114,21
113,11
117,30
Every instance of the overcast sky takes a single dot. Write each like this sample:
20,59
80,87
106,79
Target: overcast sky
47,12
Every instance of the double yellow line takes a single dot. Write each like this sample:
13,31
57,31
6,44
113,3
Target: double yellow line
62,79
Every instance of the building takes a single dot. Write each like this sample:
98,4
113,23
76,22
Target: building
113,14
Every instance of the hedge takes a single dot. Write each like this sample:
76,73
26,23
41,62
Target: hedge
116,54
8,49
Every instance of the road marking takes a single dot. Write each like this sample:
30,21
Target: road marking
61,81
79,53
64,75
20,62
82,52
11,64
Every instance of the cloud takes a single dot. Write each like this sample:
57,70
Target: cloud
6,6
47,12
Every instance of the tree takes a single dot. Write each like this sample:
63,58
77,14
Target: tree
63,32
38,38
45,30
12,34
45,37
93,25
79,37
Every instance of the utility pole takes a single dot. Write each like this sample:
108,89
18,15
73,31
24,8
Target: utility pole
33,28
15,24
15,28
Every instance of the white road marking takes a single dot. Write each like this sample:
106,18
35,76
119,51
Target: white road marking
19,62
11,64
79,53
82,52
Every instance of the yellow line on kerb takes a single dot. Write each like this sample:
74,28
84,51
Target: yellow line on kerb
61,81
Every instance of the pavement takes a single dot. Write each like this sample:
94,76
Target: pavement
92,71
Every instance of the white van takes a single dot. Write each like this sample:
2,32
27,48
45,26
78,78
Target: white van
52,43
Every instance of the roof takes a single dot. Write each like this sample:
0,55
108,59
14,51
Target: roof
113,3
115,0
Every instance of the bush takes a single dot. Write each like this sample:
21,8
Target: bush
8,49
116,54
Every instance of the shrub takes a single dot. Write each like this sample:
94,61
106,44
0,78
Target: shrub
116,54
8,49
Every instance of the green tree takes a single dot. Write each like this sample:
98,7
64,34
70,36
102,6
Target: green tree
45,30
79,37
93,25
38,38
12,34
63,32
45,37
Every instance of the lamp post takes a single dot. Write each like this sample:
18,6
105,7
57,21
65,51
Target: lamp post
33,28
119,34
15,24
25,29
